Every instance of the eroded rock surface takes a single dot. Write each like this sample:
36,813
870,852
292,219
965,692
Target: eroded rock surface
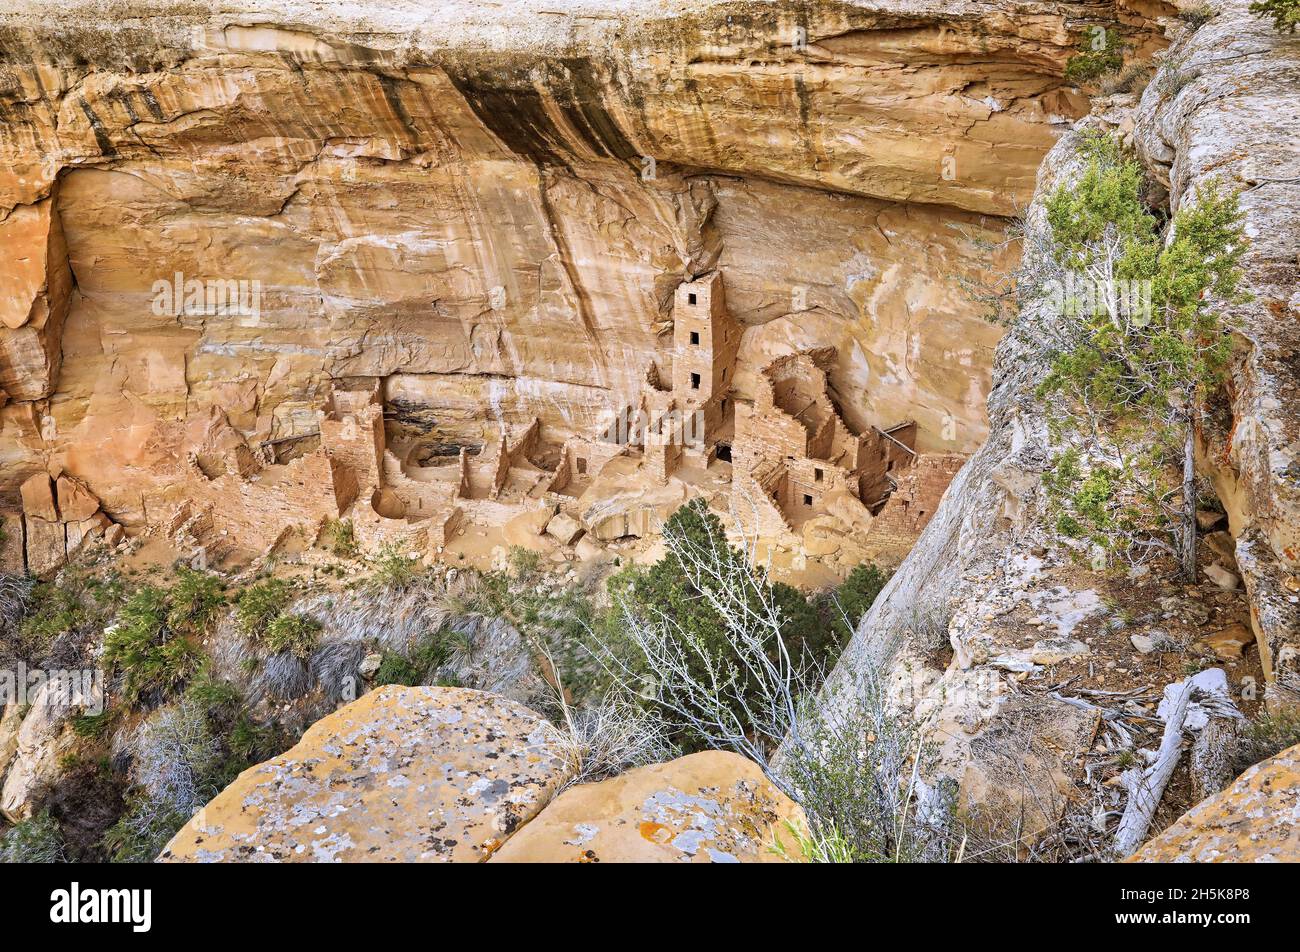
953,629
34,741
710,807
401,774
1256,820
1229,111
483,210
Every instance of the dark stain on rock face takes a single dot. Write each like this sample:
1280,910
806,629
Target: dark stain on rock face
515,115
516,112
585,110
97,127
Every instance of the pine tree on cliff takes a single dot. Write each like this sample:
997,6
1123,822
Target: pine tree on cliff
1148,345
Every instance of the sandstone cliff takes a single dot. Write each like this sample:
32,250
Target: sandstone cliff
486,209
989,576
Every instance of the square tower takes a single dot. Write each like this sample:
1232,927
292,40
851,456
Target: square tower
705,342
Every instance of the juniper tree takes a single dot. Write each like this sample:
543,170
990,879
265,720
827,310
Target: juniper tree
1143,351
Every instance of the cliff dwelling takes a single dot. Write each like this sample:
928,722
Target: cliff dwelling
782,456
402,369
459,332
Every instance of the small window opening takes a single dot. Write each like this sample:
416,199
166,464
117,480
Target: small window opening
695,337
807,499
817,475
695,381
691,297
582,466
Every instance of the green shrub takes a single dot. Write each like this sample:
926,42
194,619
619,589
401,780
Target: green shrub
35,840
1137,374
142,831
666,591
340,538
524,563
1100,52
1199,15
852,600
394,570
95,726
1285,13
395,669
53,609
413,669
211,694
195,600
260,604
296,634
141,645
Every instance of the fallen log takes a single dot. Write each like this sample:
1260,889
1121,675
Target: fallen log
1146,786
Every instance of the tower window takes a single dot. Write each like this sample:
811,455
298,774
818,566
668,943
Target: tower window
817,475
582,466
695,381
695,337
807,500
691,297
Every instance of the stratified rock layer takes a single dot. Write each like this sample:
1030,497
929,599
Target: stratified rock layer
710,807
1223,105
1227,111
1256,820
402,774
486,207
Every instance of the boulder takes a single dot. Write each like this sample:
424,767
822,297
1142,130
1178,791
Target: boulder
1228,643
10,720
402,774
1207,519
76,502
564,529
1256,820
77,534
370,664
710,807
46,545
1224,578
1056,650
1155,640
38,498
43,738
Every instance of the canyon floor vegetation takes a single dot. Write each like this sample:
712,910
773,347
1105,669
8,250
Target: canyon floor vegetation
207,673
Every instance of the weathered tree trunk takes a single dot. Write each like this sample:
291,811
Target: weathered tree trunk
1213,754
1146,787
1189,504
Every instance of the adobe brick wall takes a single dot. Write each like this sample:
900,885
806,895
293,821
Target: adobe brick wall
912,505
254,514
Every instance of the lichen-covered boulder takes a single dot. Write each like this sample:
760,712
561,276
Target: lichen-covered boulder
402,774
1256,820
711,807
44,735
